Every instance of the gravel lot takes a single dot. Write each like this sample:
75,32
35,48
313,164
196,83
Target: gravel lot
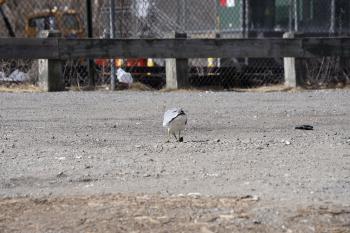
76,144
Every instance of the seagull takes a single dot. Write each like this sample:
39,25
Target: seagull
175,120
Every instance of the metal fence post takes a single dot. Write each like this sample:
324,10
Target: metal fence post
50,71
177,69
90,62
296,16
332,24
112,36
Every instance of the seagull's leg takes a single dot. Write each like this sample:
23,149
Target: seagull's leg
175,136
181,139
168,138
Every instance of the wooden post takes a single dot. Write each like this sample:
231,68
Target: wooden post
290,71
177,70
50,71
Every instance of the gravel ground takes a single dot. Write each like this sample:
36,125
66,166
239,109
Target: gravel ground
55,145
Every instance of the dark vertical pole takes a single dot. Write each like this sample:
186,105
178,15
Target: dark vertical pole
90,65
332,24
247,23
243,18
7,23
290,16
184,16
296,16
112,33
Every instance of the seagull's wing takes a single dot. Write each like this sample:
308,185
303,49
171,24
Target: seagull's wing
169,115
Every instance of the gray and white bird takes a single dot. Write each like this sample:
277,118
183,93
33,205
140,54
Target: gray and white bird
175,120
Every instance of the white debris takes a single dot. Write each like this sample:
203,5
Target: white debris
194,195
2,75
124,77
18,76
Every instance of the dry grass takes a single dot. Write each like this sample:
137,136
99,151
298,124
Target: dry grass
30,88
137,86
19,88
152,213
267,89
263,89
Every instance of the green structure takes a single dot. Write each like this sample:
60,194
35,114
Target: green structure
272,17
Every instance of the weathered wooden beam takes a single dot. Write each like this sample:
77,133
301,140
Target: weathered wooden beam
31,48
203,48
173,48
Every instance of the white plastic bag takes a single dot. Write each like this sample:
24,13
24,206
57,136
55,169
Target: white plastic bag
124,77
18,76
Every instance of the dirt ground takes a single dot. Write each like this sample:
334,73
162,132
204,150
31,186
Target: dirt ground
99,162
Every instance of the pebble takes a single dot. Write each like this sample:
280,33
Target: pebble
61,175
194,195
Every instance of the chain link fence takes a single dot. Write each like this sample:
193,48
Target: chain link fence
196,18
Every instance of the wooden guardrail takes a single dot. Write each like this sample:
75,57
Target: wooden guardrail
59,48
179,49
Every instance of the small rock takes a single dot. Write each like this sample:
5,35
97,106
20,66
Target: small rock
246,141
287,142
194,195
304,127
257,222
146,175
61,175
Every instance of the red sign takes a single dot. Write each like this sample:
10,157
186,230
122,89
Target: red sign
228,3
